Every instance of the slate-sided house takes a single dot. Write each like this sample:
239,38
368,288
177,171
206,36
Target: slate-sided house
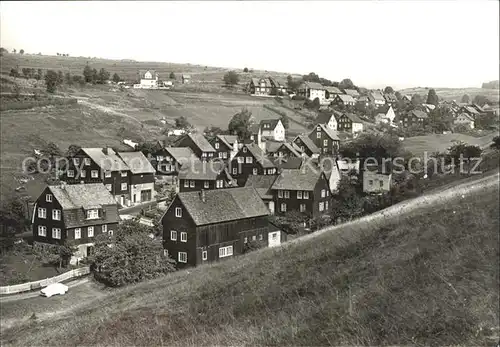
307,146
260,86
349,122
251,160
206,226
76,213
327,118
344,99
415,118
170,160
386,117
226,146
142,177
207,175
148,79
312,90
198,144
306,191
325,139
272,128
263,184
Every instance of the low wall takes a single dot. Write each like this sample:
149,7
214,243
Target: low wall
24,287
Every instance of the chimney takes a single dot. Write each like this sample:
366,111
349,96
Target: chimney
202,195
105,150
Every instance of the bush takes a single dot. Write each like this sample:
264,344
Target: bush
252,245
24,105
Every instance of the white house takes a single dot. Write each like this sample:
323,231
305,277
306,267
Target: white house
328,119
464,119
273,128
149,79
375,182
387,118
312,90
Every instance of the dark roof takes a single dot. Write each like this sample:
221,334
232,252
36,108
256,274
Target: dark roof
354,118
333,90
272,146
331,133
309,144
292,163
137,162
107,162
272,123
324,117
262,184
223,205
390,97
259,155
143,72
200,141
228,140
351,92
346,98
278,82
363,98
418,113
203,170
297,179
181,154
314,85
290,148
376,95
87,196
254,128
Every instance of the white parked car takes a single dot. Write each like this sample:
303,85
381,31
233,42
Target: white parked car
54,289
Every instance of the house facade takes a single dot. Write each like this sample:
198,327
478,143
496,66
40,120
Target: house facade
328,118
307,146
325,139
415,118
250,160
287,150
331,93
169,161
198,144
344,99
272,128
196,230
311,91
377,98
260,87
148,79
226,146
349,122
262,184
386,118
186,79
375,182
204,175
76,213
464,119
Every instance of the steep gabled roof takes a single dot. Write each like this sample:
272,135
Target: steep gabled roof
223,205
418,114
271,122
331,133
203,170
259,155
200,141
107,162
228,140
143,72
351,92
314,85
376,95
137,162
288,146
333,90
324,117
346,98
182,154
87,196
354,118
262,184
303,179
309,144
292,163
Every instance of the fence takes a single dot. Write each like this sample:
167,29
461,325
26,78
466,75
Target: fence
24,287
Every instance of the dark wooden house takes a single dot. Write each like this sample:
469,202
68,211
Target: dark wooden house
224,146
415,118
206,226
169,161
76,213
307,146
263,184
251,160
205,175
325,139
287,150
198,144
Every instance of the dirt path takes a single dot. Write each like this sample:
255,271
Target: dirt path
105,109
34,294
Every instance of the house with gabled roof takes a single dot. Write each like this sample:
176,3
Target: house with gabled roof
352,92
207,175
148,79
186,78
226,146
344,99
331,92
327,118
198,144
415,118
376,98
306,191
325,139
287,150
273,128
278,86
390,99
76,213
260,86
376,180
464,119
350,123
307,146
288,163
470,110
386,117
170,160
251,160
312,90
208,226
142,177
262,184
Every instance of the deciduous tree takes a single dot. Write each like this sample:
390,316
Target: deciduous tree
432,97
240,124
388,90
465,99
116,78
231,78
51,81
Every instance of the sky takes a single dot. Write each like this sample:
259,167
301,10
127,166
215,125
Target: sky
374,43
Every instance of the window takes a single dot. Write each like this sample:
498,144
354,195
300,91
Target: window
94,174
107,174
249,160
182,257
42,212
71,173
56,214
92,214
280,194
204,255
318,135
90,231
76,161
191,184
261,237
159,158
224,155
306,195
299,194
274,236
83,174
220,183
124,186
220,154
206,184
184,236
326,205
86,161
302,208
104,228
254,171
325,143
370,182
323,193
186,184
283,207
108,186
56,233
245,240
173,235
244,149
124,173
78,233
318,128
287,194
203,154
42,230
240,160
110,233
254,238
321,206
235,171
216,145
48,197
225,251
381,184
178,212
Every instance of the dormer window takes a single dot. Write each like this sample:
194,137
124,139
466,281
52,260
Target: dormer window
93,214
87,161
48,197
216,145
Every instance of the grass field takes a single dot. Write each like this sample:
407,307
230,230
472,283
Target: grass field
426,279
456,93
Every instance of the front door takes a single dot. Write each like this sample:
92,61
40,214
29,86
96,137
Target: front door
271,206
146,195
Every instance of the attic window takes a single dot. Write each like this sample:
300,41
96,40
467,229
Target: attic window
48,198
93,214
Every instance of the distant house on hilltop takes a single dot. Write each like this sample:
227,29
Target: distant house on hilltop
148,79
260,86
312,90
186,79
273,128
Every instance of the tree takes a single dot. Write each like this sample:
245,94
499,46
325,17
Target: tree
116,78
388,90
182,123
398,96
72,150
172,76
496,143
285,121
103,76
12,221
465,99
130,255
480,100
432,98
292,84
370,145
311,77
346,83
14,51
2,51
416,100
231,78
245,70
67,78
55,254
14,72
147,148
51,150
51,81
464,150
240,124
89,74
347,204
60,77
313,105
21,51
212,131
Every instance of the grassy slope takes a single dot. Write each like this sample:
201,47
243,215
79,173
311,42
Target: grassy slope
456,93
430,278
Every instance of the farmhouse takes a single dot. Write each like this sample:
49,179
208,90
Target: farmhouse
311,91
76,213
278,86
272,128
344,99
390,98
325,139
207,226
305,191
470,110
415,118
226,146
464,119
363,101
148,79
251,160
287,150
260,86
376,98
406,98
141,176
203,175
198,144
307,146
349,122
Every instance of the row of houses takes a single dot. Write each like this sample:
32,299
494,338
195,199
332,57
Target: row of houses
150,79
